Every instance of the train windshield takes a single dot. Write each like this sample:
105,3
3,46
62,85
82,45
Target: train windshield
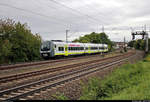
45,46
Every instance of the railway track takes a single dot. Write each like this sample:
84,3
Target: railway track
8,67
35,87
50,70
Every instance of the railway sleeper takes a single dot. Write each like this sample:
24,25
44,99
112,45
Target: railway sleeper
15,93
22,99
36,94
28,89
32,87
8,96
2,98
30,96
22,91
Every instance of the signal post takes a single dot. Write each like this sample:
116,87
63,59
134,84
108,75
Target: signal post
144,36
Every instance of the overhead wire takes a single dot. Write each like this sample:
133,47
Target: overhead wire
74,10
60,21
35,13
56,9
46,16
64,18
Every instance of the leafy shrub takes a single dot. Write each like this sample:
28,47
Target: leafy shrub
121,82
17,43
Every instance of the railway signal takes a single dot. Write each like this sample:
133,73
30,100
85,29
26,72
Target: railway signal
133,36
144,35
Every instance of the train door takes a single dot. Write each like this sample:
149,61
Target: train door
89,49
66,50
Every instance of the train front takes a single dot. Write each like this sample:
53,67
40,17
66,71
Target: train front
46,50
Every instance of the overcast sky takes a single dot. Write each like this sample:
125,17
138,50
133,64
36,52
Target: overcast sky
51,18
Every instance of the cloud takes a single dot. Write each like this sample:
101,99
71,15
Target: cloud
51,18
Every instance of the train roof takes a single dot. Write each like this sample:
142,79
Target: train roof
77,43
65,43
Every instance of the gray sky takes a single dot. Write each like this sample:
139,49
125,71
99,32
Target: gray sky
51,18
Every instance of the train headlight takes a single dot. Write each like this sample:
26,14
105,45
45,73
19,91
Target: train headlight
45,55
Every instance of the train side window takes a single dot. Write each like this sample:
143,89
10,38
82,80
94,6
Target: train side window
82,48
61,48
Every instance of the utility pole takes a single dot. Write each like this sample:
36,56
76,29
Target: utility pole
146,41
102,39
132,30
124,41
67,36
103,29
124,46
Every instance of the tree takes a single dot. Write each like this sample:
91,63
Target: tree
95,38
131,43
138,44
17,43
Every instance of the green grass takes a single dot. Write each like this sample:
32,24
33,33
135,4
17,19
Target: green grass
129,82
60,96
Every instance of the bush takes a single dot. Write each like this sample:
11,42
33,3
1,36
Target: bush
131,81
17,43
90,91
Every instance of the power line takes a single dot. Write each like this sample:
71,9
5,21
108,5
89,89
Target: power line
35,13
32,12
93,9
68,8
61,16
74,10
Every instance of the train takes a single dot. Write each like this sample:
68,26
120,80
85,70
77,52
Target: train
52,48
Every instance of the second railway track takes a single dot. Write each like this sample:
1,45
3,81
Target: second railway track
50,70
35,87
18,66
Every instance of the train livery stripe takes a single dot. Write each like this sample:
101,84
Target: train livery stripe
72,53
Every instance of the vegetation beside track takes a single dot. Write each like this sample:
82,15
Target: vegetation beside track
17,43
139,44
129,82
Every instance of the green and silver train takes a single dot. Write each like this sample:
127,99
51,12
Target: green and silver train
57,48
